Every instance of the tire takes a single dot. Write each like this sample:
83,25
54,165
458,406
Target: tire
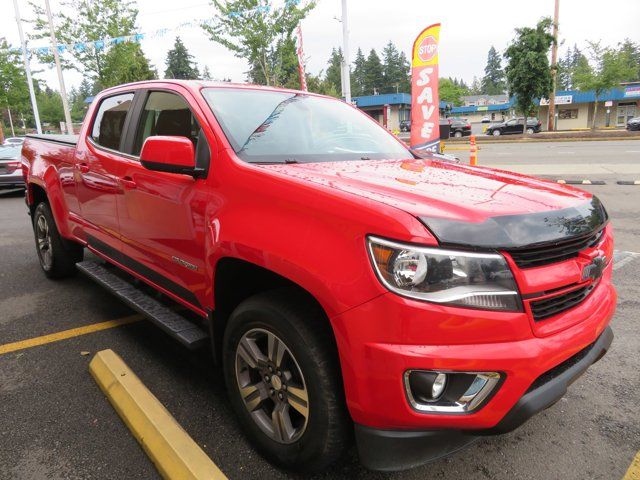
57,256
496,133
317,440
530,131
457,134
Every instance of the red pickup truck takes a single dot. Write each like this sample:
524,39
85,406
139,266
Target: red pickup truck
345,283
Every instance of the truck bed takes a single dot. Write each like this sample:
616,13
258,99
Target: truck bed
63,139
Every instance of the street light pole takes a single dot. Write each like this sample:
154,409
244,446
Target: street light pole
554,68
346,75
56,57
32,93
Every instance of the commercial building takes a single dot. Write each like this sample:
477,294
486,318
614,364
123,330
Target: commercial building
574,109
389,109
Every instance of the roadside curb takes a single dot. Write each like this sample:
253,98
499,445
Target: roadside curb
581,182
628,182
171,449
491,140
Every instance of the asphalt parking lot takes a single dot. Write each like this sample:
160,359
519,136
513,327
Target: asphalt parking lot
55,423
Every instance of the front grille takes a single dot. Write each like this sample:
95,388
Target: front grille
555,251
558,370
549,307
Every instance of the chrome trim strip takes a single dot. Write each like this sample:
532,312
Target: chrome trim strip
463,404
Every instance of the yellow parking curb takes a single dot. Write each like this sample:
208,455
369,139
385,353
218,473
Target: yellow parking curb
172,450
634,469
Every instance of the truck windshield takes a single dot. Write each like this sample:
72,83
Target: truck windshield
283,127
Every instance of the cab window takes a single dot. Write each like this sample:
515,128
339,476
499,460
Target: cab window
109,122
166,114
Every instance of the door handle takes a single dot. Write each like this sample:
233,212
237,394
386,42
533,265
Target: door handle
83,167
128,183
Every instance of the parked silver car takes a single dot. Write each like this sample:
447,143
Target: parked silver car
10,166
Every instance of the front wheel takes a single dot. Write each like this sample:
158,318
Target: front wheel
496,133
284,383
58,256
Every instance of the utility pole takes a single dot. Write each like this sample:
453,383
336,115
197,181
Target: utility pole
554,69
32,93
56,57
346,75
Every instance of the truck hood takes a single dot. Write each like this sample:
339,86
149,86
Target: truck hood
443,193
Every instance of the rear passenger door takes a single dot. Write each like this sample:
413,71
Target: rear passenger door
162,215
97,171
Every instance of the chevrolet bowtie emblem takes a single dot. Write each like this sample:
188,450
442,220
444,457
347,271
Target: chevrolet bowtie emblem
595,268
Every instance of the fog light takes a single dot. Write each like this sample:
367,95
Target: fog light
438,385
450,392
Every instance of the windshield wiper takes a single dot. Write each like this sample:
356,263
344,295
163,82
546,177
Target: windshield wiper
286,161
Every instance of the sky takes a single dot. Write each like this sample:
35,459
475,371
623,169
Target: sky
469,29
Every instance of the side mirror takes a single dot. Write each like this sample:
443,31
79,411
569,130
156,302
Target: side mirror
169,154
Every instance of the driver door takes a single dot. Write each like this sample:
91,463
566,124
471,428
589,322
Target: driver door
161,215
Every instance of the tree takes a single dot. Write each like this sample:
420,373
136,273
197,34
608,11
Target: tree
14,89
631,51
206,74
476,87
606,69
49,107
528,72
333,75
451,91
357,79
573,61
87,22
396,70
493,80
180,63
126,63
373,77
260,33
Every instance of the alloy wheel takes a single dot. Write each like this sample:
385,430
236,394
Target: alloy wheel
43,239
272,386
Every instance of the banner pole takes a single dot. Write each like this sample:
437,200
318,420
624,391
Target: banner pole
27,68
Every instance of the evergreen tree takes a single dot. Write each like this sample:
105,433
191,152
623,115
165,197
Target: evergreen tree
357,79
396,70
333,75
493,81
373,74
180,63
631,51
14,89
476,87
206,74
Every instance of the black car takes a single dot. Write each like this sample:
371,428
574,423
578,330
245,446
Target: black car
515,125
459,127
633,124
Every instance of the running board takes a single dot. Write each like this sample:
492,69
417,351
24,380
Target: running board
183,330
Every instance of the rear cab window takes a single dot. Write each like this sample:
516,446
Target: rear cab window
108,125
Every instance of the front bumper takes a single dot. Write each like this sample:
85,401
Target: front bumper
401,449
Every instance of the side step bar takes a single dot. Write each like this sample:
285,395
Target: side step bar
183,330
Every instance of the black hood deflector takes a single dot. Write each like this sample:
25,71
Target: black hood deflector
523,230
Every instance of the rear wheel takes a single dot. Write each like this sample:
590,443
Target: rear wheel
496,133
529,131
457,134
58,256
284,382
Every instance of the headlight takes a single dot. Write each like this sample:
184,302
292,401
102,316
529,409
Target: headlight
465,279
